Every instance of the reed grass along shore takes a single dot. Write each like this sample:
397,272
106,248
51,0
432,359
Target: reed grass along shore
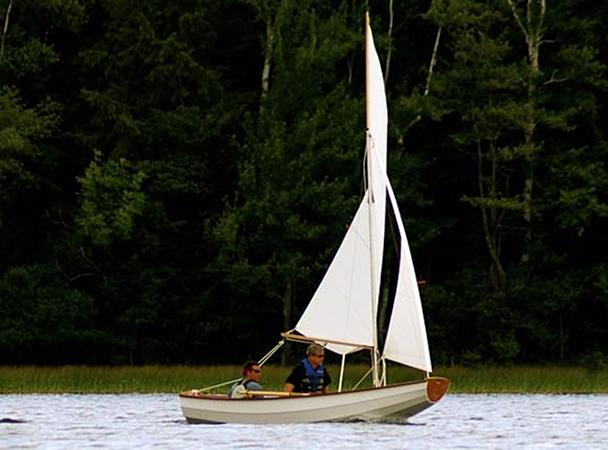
167,379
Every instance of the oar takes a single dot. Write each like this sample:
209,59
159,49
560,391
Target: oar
277,393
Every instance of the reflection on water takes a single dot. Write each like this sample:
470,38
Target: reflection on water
155,421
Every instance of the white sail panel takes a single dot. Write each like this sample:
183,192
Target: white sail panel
406,339
341,308
344,307
376,111
377,129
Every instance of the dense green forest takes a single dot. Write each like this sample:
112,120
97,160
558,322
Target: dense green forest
176,176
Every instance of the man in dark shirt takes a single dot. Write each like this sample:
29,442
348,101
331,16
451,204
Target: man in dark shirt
309,375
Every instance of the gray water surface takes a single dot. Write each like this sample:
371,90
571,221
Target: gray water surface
155,421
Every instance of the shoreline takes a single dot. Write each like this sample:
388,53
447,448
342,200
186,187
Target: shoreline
173,379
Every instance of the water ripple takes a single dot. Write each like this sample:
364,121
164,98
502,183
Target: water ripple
155,422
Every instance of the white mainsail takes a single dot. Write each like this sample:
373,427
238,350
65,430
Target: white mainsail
340,308
377,130
344,307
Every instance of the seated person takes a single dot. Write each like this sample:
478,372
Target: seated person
309,375
252,374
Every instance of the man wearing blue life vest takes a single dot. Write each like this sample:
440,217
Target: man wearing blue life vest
309,375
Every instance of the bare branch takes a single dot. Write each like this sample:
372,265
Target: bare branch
81,275
543,8
8,13
390,41
59,220
529,14
429,76
554,79
267,62
517,18
433,62
70,278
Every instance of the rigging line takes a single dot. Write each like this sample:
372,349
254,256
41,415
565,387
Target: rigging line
261,362
366,154
384,301
362,378
391,223
394,215
225,383
268,355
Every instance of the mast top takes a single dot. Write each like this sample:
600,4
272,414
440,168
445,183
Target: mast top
367,77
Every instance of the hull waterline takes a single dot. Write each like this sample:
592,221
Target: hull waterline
389,403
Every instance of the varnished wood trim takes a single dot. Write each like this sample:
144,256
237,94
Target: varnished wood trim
300,338
436,388
224,397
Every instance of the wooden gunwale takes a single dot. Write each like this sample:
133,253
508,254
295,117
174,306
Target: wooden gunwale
280,395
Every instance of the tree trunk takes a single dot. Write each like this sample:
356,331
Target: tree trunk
433,62
287,317
532,30
267,62
5,29
491,219
427,86
387,66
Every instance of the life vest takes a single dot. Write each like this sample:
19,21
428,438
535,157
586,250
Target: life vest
313,382
238,389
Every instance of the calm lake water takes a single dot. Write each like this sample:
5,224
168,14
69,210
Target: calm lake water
155,421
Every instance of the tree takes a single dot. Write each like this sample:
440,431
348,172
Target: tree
512,89
508,104
294,196
41,318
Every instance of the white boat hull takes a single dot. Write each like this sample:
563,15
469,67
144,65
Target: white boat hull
389,403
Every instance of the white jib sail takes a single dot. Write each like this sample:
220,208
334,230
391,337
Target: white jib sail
344,307
406,339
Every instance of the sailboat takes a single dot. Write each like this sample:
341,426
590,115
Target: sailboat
342,314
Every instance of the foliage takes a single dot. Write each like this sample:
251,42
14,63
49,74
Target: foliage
112,201
42,317
22,129
175,177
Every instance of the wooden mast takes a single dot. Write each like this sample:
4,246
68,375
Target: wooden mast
370,200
